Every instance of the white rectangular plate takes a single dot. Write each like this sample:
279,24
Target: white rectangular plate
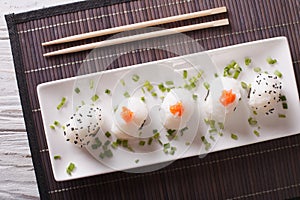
51,93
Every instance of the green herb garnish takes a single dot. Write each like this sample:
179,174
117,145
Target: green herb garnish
107,134
143,99
52,127
56,123
95,98
221,125
187,143
169,83
150,141
206,85
232,70
216,75
154,94
282,98
278,74
195,97
142,143
156,135
233,136
185,74
62,103
281,115
170,131
107,91
252,121
183,130
284,105
271,61
244,85
70,168
161,87
77,90
137,160
167,145
257,69
122,82
126,94
256,133
57,157
200,73
247,61
91,84
135,78
148,86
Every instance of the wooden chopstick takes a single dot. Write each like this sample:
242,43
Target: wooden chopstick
137,26
144,36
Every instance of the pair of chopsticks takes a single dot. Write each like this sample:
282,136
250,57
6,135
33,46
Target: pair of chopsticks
138,37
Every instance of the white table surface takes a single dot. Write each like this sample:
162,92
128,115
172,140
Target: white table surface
17,177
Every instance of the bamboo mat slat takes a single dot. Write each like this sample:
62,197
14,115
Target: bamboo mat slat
268,170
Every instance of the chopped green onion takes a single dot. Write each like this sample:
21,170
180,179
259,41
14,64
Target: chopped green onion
135,78
107,142
114,145
183,130
221,125
271,61
161,87
143,99
154,94
150,141
62,103
244,85
119,141
254,112
77,90
142,143
206,120
247,61
284,105
195,97
212,124
91,84
107,91
187,86
282,98
52,127
107,134
57,157
233,136
56,123
156,135
116,108
122,82
95,98
281,115
256,133
216,75
278,73
212,138
252,121
137,160
70,168
170,131
167,146
184,74
63,127
206,85
82,103
193,80
125,143
200,73
126,94
212,130
236,74
169,83
148,86
257,69
143,90
155,131
187,143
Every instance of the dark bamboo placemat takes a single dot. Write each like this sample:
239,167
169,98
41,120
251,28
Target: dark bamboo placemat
268,170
